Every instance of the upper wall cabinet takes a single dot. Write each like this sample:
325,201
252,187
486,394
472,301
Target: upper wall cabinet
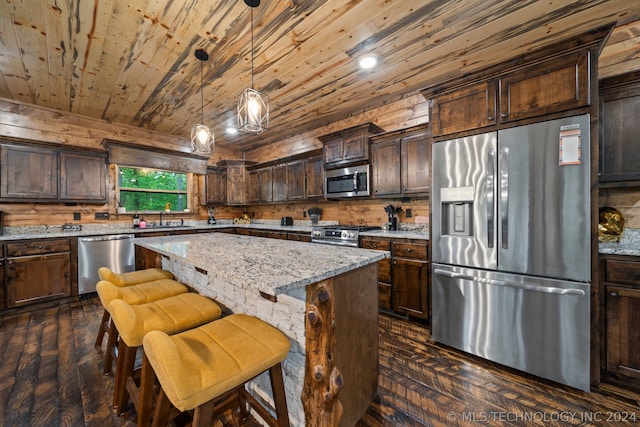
38,173
216,186
619,130
348,146
551,86
554,81
401,163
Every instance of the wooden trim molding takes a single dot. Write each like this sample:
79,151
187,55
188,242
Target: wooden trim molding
127,154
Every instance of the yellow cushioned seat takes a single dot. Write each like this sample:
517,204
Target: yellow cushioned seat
170,315
133,294
133,277
139,294
199,365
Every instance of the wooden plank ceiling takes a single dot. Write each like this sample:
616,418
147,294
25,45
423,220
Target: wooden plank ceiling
132,62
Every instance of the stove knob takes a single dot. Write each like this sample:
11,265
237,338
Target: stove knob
352,235
344,234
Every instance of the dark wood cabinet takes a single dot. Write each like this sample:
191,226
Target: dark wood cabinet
619,130
386,169
260,185
37,270
410,278
403,279
401,163
280,186
467,108
555,85
253,184
28,172
299,236
296,180
83,177
621,286
236,182
349,145
39,173
216,186
314,172
549,81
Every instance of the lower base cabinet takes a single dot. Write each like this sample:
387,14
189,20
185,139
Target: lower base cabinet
37,271
621,297
403,280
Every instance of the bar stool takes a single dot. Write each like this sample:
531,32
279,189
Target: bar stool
170,315
126,279
134,294
205,369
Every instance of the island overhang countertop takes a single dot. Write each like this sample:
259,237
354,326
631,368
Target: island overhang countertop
273,266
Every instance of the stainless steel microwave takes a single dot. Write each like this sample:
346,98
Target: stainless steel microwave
348,182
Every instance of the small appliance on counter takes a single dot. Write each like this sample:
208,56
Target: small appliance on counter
211,220
314,214
286,220
393,218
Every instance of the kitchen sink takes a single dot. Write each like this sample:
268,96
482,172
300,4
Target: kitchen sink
164,226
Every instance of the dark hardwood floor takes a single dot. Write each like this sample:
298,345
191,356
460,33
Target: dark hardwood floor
51,376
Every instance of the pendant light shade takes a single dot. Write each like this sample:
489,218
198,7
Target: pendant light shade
253,106
201,135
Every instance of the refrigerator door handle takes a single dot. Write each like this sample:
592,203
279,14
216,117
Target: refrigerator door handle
491,176
524,286
504,196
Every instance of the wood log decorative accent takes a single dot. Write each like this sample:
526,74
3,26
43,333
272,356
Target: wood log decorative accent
323,380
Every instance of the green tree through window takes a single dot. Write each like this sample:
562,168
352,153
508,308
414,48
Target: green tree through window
151,189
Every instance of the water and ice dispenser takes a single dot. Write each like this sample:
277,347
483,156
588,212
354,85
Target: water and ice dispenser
457,211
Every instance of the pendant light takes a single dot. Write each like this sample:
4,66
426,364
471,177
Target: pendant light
253,106
201,135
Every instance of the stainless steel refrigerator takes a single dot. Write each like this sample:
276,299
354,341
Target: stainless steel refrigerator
511,247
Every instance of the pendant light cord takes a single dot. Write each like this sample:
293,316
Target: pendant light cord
251,48
201,94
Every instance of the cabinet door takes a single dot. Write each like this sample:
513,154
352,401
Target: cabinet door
36,278
623,334
468,108
386,168
280,183
236,185
83,177
384,271
416,164
355,147
410,287
3,295
333,151
253,192
296,180
266,184
619,130
216,186
28,172
556,85
314,170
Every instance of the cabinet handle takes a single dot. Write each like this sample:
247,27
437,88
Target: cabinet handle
504,115
490,118
613,294
39,246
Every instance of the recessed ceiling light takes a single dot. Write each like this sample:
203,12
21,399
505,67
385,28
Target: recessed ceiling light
368,61
231,130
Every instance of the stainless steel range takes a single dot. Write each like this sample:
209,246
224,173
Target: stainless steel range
342,235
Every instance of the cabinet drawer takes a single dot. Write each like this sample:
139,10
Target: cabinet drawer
38,247
380,245
384,270
410,250
623,272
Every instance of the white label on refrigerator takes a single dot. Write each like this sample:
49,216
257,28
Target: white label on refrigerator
570,149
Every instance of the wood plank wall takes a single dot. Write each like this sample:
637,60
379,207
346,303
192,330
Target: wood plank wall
626,200
24,121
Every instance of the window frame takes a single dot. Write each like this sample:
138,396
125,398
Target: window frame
188,192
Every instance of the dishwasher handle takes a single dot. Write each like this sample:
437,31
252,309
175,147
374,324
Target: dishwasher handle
524,286
107,238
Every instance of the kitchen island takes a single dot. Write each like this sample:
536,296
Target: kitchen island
323,297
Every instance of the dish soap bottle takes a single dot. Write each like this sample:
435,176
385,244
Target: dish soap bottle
142,223
136,220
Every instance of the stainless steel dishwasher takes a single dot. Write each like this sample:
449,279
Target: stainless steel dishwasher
114,251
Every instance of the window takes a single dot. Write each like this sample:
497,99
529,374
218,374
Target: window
152,189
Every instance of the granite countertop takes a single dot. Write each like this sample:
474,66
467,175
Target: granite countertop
628,245
273,266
